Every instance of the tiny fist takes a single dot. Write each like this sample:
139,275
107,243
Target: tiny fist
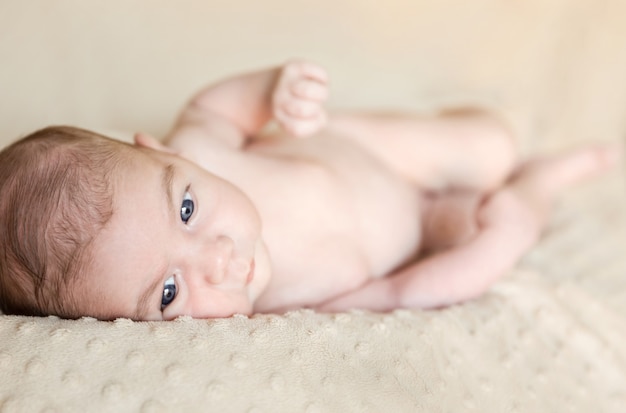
297,101
310,89
304,69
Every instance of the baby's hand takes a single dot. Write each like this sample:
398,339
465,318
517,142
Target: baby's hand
298,97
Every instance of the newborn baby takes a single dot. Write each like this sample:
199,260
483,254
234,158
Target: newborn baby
224,216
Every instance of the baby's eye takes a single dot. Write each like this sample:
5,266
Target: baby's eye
169,292
186,209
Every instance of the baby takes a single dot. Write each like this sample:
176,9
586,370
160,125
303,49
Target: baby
372,211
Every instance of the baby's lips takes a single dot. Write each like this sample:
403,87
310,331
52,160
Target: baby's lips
241,270
250,276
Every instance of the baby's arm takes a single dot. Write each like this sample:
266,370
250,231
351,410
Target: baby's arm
510,221
461,273
237,108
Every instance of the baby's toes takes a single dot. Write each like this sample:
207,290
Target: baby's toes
608,156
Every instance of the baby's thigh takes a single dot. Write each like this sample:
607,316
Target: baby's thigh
464,148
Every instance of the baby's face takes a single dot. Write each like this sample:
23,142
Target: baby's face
181,241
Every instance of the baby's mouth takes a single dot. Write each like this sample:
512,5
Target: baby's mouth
250,276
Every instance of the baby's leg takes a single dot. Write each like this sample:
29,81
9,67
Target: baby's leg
468,149
450,217
538,182
510,221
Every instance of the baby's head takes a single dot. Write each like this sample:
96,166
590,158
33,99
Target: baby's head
90,226
56,196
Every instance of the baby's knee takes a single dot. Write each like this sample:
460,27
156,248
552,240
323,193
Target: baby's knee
496,146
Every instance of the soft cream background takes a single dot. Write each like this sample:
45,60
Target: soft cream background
557,65
549,337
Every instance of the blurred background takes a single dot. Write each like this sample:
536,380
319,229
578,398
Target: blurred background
557,68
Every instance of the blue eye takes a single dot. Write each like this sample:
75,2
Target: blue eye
186,209
169,292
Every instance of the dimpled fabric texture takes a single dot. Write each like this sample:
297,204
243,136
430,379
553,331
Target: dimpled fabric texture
532,344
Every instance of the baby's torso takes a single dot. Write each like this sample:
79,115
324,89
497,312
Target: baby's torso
333,217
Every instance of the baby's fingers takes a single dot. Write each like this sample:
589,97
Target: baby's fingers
298,97
300,108
310,89
301,68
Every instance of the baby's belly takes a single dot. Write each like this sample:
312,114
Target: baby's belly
343,220
387,212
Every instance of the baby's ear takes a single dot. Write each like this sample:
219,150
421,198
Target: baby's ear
147,141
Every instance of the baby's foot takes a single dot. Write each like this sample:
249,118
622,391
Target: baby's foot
540,181
298,97
559,172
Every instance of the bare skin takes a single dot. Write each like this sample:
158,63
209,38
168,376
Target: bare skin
371,211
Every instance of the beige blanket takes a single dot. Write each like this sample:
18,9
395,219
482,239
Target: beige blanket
548,337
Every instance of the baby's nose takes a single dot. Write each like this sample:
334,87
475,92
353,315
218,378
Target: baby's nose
216,259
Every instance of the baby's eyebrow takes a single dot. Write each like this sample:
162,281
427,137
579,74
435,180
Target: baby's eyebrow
143,303
167,181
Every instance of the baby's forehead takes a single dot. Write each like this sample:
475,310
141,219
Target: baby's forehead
135,160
